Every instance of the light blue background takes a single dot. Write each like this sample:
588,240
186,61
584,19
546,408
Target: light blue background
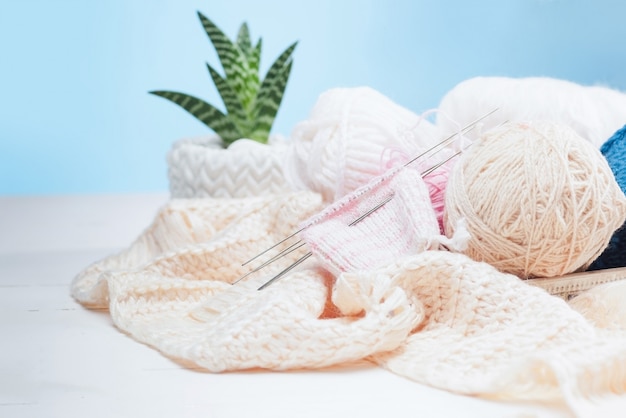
75,115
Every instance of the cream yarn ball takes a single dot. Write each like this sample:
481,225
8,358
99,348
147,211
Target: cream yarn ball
538,199
347,137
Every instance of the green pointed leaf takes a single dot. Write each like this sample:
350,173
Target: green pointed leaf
233,106
243,39
234,62
257,48
227,52
277,67
253,58
268,102
254,63
271,93
205,112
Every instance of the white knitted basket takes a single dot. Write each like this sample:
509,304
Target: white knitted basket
201,167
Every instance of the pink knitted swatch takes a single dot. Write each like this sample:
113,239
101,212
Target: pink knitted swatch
404,225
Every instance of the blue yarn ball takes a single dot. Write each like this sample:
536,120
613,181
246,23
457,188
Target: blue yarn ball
614,150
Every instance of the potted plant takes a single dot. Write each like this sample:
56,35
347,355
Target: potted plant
241,159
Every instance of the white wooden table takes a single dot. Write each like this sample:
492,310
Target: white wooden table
58,359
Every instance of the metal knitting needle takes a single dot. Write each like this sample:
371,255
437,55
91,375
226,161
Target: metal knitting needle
449,139
274,246
293,247
285,271
286,251
300,243
309,254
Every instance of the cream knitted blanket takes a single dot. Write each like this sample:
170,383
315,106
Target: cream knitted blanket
437,317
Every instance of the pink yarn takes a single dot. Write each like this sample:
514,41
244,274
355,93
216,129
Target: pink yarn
436,181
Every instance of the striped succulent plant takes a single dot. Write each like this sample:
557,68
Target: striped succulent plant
251,103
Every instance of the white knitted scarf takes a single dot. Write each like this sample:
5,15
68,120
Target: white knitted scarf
436,317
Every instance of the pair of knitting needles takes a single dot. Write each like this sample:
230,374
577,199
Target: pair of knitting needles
299,244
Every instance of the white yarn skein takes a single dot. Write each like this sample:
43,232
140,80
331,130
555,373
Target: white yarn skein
538,200
343,143
594,112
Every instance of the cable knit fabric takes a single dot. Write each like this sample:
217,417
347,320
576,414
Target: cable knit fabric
436,317
200,167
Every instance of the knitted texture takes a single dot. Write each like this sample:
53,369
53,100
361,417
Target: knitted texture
198,234
436,317
404,225
200,167
594,112
615,152
343,142
538,200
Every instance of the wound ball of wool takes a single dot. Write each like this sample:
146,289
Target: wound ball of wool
538,200
614,150
346,138
594,112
